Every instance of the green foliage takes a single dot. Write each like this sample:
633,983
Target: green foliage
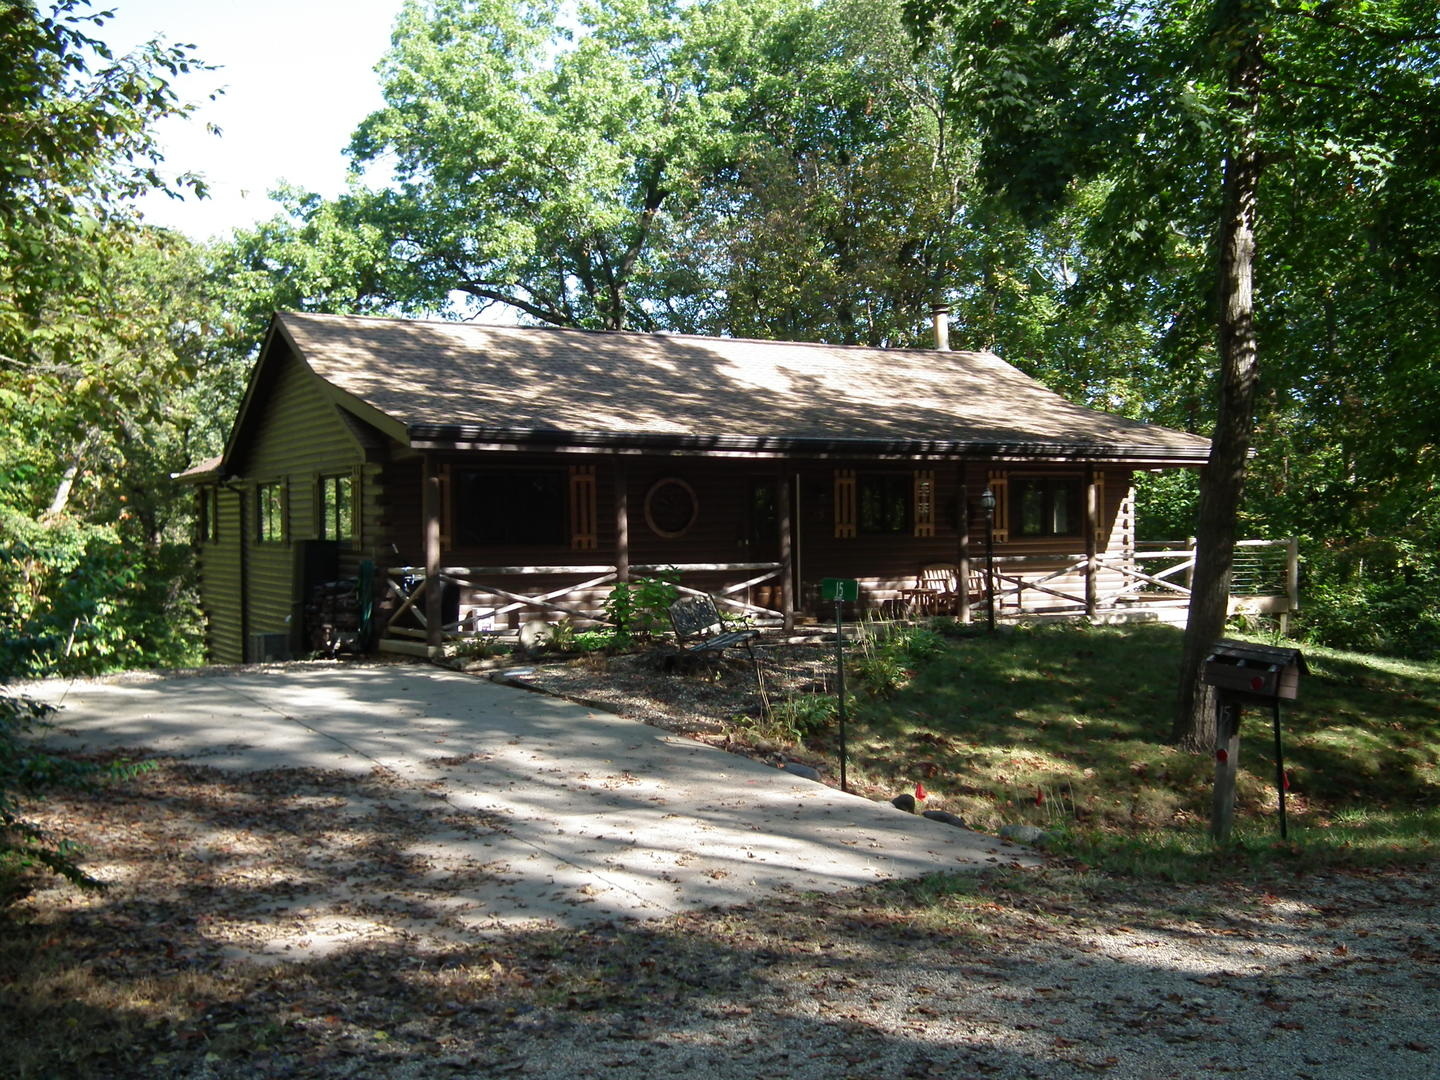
620,611
594,641
890,656
792,720
640,609
76,600
76,144
1165,504
880,674
481,647
561,637
881,669
27,772
916,644
1382,596
112,372
806,714
537,158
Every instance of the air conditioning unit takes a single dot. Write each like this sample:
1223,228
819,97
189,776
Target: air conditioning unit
265,648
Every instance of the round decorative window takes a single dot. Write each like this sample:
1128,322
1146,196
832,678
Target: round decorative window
671,507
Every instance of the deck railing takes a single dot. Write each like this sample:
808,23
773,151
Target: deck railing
1265,578
489,603
1152,581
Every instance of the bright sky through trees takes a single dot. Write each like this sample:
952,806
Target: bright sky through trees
298,77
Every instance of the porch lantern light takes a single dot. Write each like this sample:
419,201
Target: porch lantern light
987,503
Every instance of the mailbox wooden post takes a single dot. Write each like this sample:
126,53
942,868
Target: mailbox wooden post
1247,674
1227,767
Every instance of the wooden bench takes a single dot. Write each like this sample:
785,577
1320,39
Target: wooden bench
699,630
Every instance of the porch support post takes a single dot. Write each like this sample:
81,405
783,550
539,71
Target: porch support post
430,511
787,551
622,520
1092,539
962,536
1292,584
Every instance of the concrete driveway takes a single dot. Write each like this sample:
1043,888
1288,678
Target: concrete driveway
598,817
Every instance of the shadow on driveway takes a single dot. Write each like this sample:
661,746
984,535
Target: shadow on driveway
600,817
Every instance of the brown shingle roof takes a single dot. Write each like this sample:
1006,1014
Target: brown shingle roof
456,382
201,470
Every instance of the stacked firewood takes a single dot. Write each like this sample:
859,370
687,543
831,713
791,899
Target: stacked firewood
332,617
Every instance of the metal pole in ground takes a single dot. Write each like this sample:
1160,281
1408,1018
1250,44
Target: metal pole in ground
1280,772
987,503
840,679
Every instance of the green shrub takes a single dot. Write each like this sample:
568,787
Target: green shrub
593,641
880,673
791,721
805,714
79,599
481,647
916,644
1379,596
561,637
640,609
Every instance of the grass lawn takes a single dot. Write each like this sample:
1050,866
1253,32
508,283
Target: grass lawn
1065,727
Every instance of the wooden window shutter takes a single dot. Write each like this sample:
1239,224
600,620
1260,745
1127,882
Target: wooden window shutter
924,502
844,504
583,533
1000,485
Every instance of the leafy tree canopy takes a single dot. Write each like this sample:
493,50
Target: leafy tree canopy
104,331
1216,127
533,162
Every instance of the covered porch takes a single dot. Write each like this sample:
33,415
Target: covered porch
808,514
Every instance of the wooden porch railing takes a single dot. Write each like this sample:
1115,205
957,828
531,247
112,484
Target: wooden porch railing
1265,579
407,585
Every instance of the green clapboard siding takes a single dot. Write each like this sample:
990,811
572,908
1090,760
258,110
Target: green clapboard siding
296,435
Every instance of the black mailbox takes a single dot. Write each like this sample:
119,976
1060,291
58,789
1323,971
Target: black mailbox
1257,674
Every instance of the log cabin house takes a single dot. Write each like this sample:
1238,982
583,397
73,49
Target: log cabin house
524,470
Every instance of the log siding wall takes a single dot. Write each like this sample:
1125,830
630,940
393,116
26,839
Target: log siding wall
885,564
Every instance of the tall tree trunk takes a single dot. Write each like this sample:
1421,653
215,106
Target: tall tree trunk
1224,479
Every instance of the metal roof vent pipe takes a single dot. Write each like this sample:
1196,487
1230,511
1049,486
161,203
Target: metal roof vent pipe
940,313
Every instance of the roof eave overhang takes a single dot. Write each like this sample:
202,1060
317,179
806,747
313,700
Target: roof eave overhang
462,437
197,475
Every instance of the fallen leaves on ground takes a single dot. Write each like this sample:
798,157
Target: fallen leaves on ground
201,960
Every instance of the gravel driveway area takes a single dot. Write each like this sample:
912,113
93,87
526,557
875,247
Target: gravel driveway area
304,922
1337,980
552,812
